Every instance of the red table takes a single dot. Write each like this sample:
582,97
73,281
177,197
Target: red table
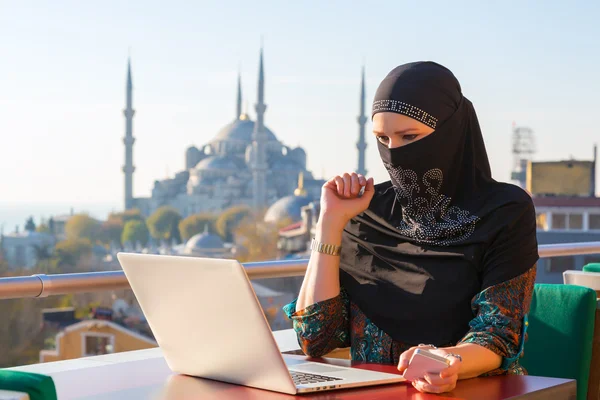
500,387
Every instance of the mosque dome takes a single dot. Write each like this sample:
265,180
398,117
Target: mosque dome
203,242
285,164
287,207
220,163
240,130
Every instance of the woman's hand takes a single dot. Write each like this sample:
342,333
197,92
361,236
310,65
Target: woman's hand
340,199
443,382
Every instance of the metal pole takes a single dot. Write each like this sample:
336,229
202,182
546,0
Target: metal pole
49,285
568,249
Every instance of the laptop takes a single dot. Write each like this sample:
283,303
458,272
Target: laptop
208,322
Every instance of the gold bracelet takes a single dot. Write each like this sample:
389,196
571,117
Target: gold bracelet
325,248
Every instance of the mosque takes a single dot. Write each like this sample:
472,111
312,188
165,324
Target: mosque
243,164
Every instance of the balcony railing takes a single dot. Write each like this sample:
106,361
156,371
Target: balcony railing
47,285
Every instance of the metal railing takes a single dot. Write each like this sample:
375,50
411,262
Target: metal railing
47,285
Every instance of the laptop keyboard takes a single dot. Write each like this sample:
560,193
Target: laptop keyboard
302,378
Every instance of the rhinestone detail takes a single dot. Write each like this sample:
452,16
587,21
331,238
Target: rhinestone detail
401,107
427,215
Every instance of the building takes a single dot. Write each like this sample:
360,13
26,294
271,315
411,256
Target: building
93,337
294,240
24,249
243,164
562,178
566,219
57,225
208,245
567,211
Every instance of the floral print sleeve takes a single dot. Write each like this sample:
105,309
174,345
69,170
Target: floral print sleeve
500,323
323,326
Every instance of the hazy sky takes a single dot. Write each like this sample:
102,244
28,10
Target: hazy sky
63,67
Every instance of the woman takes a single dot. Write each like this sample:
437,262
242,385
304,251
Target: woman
441,254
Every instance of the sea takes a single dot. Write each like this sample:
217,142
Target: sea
16,214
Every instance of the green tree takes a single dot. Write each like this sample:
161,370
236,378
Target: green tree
51,225
195,224
82,226
43,228
3,264
112,230
174,235
127,215
164,223
258,238
70,251
30,225
43,255
135,231
229,219
132,215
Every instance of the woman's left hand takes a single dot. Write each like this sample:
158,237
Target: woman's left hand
443,382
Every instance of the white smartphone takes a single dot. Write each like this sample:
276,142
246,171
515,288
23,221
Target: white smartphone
422,362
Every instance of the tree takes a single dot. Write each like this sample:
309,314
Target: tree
30,225
132,215
51,225
3,264
195,224
127,215
135,231
69,252
174,235
229,219
82,226
43,255
112,230
43,228
258,238
163,223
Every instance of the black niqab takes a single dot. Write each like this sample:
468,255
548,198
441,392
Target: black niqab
442,229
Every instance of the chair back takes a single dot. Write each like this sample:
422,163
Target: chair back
560,333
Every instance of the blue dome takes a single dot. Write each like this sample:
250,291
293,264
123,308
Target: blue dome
287,207
204,241
220,162
241,129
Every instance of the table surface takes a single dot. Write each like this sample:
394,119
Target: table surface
144,374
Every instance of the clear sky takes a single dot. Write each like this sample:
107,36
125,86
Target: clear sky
63,67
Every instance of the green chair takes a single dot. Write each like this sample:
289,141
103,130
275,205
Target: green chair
560,333
39,387
592,267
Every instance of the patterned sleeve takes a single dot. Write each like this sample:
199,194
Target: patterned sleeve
500,323
323,326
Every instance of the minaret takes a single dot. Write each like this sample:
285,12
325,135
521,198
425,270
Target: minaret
128,168
238,110
361,145
300,191
259,139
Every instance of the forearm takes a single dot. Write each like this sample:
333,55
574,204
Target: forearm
322,278
476,359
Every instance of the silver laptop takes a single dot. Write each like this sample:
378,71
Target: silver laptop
208,322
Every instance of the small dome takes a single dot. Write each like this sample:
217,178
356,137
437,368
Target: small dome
241,129
287,207
218,162
204,241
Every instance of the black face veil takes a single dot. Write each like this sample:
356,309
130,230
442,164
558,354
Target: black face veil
442,203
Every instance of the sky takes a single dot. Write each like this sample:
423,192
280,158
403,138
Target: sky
63,68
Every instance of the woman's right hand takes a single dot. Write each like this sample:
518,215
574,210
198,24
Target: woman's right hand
340,200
